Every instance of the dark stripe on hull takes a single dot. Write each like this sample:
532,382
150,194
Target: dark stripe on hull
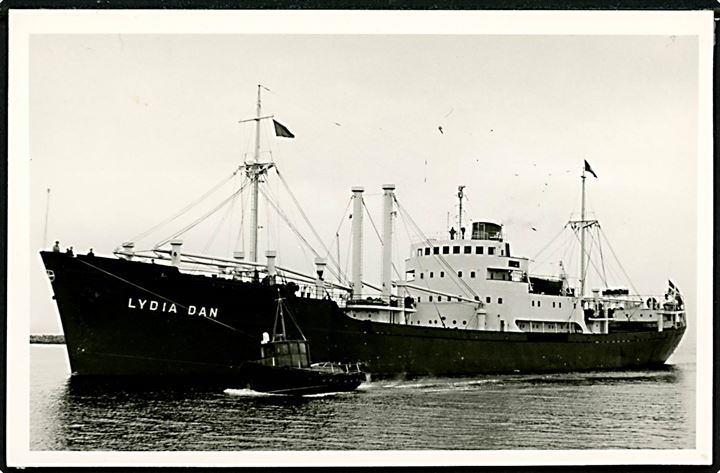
106,335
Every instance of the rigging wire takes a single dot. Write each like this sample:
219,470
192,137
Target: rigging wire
307,221
337,239
549,243
294,229
551,254
369,215
435,306
240,240
618,261
219,226
592,263
602,259
451,271
186,208
201,219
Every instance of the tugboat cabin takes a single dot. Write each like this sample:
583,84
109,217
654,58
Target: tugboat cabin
289,353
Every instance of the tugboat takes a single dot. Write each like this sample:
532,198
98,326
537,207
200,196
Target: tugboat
284,366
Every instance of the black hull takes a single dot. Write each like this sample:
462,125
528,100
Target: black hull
110,331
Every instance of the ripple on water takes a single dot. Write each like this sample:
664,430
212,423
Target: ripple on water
632,409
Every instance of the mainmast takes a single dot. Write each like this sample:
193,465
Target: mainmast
582,226
582,238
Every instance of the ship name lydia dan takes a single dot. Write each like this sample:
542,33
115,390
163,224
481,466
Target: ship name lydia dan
146,304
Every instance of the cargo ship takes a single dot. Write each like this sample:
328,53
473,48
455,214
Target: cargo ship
465,305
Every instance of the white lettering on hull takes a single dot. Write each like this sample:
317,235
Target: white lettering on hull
170,307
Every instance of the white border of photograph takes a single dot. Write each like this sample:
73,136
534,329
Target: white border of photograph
25,23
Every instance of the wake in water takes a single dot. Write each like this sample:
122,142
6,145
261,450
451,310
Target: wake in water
251,393
246,393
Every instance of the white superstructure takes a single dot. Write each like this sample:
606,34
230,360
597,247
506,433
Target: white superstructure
472,281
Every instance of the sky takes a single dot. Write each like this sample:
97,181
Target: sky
126,129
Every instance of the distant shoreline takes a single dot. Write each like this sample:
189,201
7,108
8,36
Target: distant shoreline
55,339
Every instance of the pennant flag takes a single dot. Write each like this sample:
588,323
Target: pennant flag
281,130
589,169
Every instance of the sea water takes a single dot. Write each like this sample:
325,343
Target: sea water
648,409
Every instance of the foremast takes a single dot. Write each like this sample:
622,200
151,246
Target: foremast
254,170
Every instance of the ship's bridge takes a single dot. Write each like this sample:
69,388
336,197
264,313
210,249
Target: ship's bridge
486,230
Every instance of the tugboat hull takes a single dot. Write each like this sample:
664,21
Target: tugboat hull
299,381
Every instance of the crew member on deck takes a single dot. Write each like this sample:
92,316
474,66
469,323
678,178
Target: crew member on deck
69,251
90,253
452,233
56,247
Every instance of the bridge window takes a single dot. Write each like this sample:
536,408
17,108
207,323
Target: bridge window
459,274
487,299
477,298
422,275
514,264
538,303
491,250
439,298
436,250
446,250
420,251
431,274
430,298
499,300
553,305
478,250
468,250
559,305
427,251
442,274
472,274
532,303
456,250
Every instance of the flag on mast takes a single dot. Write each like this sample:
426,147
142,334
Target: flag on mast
589,169
281,130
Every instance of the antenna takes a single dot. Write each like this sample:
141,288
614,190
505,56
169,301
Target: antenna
460,195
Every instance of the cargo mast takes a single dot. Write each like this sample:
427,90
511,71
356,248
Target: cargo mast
254,170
